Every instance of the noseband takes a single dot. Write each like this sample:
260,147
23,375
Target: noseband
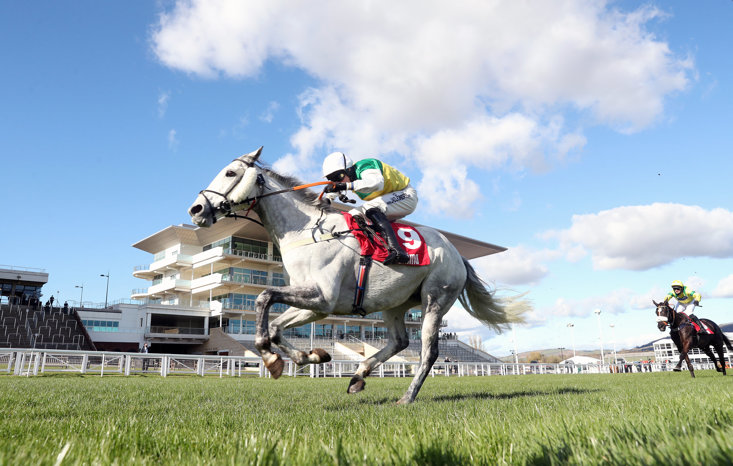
671,317
229,207
225,205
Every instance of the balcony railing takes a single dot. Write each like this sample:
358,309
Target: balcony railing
172,330
253,255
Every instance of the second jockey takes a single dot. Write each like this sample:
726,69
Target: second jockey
687,300
386,193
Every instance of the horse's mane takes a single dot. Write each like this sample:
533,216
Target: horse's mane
305,195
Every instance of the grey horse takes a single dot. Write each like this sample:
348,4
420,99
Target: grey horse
322,267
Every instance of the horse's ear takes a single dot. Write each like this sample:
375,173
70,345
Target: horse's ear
655,303
256,154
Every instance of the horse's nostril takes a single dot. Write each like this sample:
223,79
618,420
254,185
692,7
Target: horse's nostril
196,209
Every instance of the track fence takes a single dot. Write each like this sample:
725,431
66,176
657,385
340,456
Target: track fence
29,362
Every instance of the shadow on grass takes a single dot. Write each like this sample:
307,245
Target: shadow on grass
510,396
467,396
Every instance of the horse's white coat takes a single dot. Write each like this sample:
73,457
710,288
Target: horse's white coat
323,274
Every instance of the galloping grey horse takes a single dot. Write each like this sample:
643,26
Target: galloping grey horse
323,266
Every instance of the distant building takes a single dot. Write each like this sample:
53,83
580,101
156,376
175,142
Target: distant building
665,350
21,285
202,279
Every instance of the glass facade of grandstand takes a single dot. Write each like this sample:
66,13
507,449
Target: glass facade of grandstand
222,270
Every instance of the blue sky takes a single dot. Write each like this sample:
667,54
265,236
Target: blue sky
591,138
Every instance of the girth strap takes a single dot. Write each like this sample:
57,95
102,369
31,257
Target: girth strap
313,239
365,263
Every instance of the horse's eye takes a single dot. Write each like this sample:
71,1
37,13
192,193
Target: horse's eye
231,173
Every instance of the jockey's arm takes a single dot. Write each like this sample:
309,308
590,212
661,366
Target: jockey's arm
371,180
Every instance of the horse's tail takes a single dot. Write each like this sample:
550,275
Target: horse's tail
726,341
480,301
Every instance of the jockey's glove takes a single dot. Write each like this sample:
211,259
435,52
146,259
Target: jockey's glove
696,303
336,187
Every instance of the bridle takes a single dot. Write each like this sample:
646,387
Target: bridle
230,208
671,316
226,206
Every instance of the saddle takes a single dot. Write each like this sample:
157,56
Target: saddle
704,330
374,248
372,244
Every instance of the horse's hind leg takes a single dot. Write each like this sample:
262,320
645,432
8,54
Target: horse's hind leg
720,363
295,317
394,319
434,308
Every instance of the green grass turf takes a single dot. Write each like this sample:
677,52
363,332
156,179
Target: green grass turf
663,418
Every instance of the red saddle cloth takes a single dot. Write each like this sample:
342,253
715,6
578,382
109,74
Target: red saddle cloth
705,328
411,240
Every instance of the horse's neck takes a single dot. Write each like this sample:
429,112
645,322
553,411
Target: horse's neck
287,214
679,319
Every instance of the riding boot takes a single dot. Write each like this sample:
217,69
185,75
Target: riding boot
697,322
382,225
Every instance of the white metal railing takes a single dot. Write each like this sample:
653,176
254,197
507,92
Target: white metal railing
27,362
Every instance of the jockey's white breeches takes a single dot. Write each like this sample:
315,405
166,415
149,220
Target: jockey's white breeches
395,205
688,308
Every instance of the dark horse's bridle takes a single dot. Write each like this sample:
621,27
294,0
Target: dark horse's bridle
671,317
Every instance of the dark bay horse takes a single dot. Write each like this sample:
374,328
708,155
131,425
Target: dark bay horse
684,336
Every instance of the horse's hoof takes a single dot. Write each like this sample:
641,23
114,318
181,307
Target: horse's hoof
275,366
356,385
321,355
405,400
676,369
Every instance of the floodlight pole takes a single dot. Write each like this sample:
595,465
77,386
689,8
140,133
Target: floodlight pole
600,335
81,296
613,332
571,326
106,294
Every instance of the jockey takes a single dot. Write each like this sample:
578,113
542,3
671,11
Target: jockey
386,193
687,300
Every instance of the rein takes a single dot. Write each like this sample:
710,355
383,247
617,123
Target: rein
229,208
253,200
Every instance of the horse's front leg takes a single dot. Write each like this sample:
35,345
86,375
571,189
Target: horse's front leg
301,297
683,355
295,317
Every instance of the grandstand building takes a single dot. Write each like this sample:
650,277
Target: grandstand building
666,351
25,322
21,284
201,287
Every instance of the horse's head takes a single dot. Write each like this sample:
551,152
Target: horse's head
226,193
665,315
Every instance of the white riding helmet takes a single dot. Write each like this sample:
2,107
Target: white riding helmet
336,161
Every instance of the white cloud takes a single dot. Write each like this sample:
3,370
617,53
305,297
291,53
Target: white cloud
724,289
163,99
269,113
471,85
647,236
172,140
518,265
